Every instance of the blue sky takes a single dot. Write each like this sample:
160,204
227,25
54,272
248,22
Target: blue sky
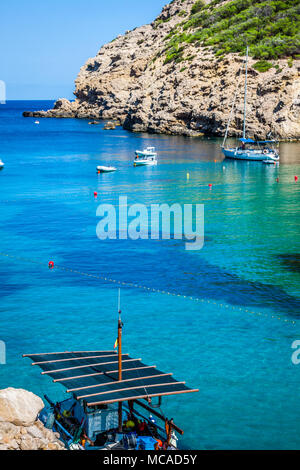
44,43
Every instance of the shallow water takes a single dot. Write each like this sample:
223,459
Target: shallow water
233,343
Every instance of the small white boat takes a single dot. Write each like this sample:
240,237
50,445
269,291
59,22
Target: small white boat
105,169
36,122
1,164
145,157
271,161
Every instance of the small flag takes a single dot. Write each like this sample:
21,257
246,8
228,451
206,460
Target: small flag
116,344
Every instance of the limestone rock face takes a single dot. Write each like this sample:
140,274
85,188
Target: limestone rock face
128,80
19,427
19,407
63,108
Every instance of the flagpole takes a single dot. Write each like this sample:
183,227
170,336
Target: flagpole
120,326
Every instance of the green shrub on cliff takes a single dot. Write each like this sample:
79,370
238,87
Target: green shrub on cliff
198,6
262,66
270,28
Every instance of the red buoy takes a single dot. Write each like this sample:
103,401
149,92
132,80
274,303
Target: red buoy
51,264
296,179
95,194
277,180
210,186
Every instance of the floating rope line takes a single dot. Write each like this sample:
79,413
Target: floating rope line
149,289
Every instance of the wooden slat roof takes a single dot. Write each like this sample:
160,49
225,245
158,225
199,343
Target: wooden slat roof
93,376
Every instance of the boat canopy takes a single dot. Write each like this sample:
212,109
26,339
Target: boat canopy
92,376
251,141
248,141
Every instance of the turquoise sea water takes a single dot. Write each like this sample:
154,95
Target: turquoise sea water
234,343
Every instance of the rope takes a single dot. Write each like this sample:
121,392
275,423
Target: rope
149,289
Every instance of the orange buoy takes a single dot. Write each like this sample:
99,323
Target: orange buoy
51,264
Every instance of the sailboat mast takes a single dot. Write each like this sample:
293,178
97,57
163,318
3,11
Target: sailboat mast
120,326
245,100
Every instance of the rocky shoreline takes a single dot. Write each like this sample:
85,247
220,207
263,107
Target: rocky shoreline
19,427
130,81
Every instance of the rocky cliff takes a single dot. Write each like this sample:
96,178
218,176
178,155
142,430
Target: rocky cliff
19,427
132,79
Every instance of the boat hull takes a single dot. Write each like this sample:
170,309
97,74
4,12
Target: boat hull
103,169
250,155
145,162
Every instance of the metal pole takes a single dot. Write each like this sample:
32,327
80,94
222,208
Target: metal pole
120,349
120,325
245,100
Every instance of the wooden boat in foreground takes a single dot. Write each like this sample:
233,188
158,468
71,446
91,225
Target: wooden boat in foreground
110,396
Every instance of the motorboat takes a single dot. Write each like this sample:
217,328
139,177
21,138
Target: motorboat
144,157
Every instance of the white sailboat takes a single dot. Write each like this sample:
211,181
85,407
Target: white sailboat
249,149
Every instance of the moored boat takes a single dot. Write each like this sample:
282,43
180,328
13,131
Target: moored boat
111,396
271,161
250,149
105,169
1,164
253,150
144,157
